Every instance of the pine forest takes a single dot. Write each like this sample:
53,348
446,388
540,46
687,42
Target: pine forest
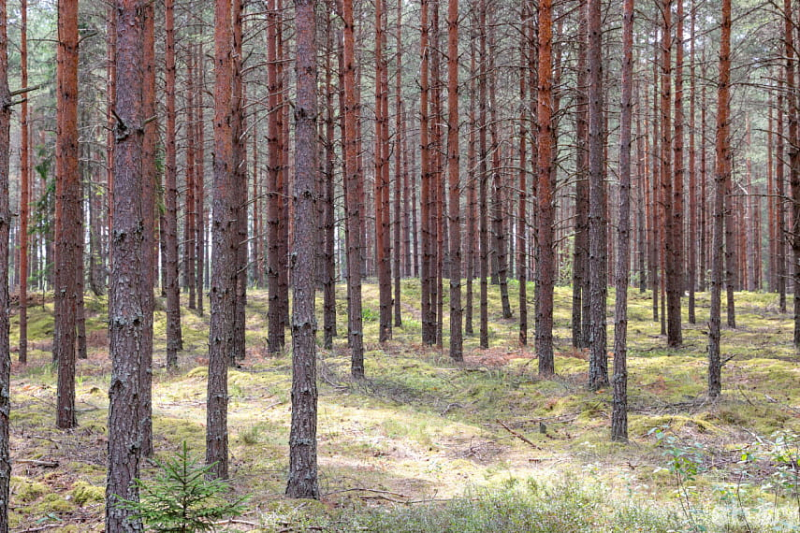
400,266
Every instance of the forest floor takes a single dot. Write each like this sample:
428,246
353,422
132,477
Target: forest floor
424,444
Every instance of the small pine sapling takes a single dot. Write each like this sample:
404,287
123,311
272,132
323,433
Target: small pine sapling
182,498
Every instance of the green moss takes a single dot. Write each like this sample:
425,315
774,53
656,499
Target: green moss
83,493
26,490
53,503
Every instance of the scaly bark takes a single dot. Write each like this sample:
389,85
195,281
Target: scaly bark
126,301
303,481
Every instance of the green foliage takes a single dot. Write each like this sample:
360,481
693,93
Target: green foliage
181,499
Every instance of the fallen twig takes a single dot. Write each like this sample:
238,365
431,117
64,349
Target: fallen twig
360,489
520,436
36,462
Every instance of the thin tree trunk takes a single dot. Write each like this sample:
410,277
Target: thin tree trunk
148,207
24,187
275,339
722,176
545,190
170,220
794,163
238,133
355,201
5,217
483,179
598,363
456,334
427,270
619,415
679,281
398,174
200,219
691,280
329,266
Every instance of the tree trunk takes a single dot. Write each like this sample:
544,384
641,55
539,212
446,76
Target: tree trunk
619,415
329,259
149,206
68,212
224,235
398,174
675,335
303,437
483,179
598,363
170,220
721,178
239,134
275,339
24,187
545,279
456,334
5,218
127,303
794,163
355,201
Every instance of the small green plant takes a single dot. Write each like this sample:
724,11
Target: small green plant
181,499
684,462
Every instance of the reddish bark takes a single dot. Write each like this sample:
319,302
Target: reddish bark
68,212
721,179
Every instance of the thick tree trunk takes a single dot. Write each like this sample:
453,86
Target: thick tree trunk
225,245
127,303
303,437
68,212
